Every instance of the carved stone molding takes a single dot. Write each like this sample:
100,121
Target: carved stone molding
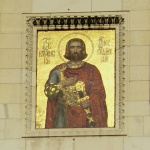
35,22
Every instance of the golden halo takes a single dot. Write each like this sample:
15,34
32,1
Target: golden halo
88,43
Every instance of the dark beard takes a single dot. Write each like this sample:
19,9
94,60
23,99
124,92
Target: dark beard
76,56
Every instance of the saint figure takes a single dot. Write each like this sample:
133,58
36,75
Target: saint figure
75,91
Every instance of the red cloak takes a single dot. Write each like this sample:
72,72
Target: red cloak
76,116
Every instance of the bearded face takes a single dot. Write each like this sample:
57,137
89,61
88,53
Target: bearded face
75,51
76,56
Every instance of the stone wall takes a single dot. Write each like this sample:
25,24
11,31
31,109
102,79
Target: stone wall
12,66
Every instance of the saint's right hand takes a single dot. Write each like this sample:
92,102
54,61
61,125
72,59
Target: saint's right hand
69,81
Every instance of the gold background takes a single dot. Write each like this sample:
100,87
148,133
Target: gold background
57,42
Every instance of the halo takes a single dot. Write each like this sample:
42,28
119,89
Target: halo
62,44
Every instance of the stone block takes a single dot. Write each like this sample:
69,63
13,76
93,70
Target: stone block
138,108
1,134
39,6
10,93
55,141
10,58
44,144
2,128
140,38
136,143
65,143
52,143
11,23
106,5
13,110
31,144
7,6
135,126
140,20
136,4
139,73
13,144
96,143
26,6
138,90
147,126
140,52
2,124
10,75
12,129
12,41
2,111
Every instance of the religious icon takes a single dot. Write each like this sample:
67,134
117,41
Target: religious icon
76,72
75,91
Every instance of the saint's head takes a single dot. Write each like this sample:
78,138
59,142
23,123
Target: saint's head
75,50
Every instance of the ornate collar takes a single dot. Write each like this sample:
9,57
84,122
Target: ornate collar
75,65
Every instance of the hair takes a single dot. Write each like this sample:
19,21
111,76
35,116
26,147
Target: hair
83,52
